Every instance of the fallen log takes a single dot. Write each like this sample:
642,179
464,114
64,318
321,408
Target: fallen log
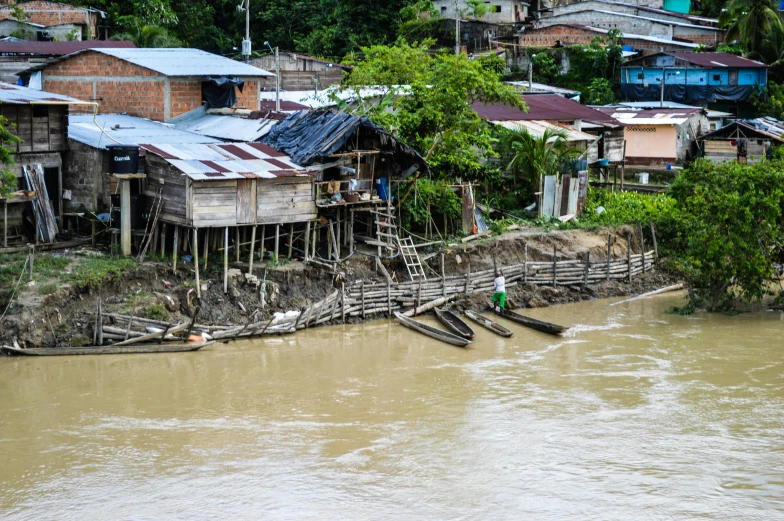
668,289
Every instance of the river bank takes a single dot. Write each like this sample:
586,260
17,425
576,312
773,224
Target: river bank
64,314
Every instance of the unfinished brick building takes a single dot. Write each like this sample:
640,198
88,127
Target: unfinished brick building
158,84
53,14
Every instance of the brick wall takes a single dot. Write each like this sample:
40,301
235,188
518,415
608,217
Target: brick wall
53,13
249,98
185,96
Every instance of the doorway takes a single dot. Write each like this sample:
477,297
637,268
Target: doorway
54,189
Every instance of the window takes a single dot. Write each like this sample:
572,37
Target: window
641,76
496,9
716,77
40,111
443,9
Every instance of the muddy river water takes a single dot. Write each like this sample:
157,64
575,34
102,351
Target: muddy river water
635,414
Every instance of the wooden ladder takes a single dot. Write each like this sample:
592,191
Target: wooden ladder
411,258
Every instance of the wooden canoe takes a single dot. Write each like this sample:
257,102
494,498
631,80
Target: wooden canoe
454,323
486,323
431,331
105,350
539,325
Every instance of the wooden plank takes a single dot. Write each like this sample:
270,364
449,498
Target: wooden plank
548,200
299,218
246,201
228,209
574,195
566,184
198,185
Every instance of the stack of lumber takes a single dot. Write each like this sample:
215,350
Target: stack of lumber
47,221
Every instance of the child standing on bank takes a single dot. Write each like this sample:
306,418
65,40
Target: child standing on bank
499,291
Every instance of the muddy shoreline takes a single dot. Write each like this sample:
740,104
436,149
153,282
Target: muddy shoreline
154,290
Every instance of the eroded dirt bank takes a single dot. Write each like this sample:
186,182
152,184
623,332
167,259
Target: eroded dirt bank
153,290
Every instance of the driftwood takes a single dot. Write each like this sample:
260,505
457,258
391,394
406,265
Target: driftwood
668,289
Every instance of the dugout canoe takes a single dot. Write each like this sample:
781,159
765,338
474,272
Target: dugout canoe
432,332
486,323
539,325
105,350
454,323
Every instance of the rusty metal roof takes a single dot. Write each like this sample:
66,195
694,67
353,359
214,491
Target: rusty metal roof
16,95
58,48
544,107
228,161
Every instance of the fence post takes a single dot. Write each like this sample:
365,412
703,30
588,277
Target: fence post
629,254
587,267
642,248
555,265
525,265
609,252
655,246
30,258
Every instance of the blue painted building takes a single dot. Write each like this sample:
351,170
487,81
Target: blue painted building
720,79
678,6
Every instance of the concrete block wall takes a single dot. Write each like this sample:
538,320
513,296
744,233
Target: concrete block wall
83,175
549,36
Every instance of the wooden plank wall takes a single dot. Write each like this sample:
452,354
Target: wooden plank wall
246,201
720,151
42,128
285,199
162,176
214,203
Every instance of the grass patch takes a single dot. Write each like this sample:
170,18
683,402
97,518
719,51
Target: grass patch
91,273
48,289
156,312
44,267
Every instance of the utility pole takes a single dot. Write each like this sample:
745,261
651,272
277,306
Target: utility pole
457,29
246,45
531,73
277,79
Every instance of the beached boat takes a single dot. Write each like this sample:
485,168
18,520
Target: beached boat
539,325
486,323
431,331
454,323
105,350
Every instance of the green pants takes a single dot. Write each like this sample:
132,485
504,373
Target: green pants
500,298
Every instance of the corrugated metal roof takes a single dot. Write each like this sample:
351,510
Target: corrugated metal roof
547,107
128,130
704,59
538,128
59,48
185,62
767,126
651,116
228,128
600,12
541,88
325,98
16,95
228,161
179,62
626,36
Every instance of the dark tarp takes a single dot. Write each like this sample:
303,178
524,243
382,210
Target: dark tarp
219,92
309,136
688,93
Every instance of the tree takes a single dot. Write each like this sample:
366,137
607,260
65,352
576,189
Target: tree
534,157
730,230
435,114
476,8
599,92
545,68
145,36
7,177
749,21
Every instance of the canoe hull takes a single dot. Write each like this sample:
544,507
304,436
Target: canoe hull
486,323
105,350
432,332
455,324
539,325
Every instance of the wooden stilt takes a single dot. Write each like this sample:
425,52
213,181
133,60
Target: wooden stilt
244,237
339,228
525,264
175,246
587,267
163,240
237,243
307,240
196,260
343,301
125,217
329,242
313,238
555,265
291,240
277,241
262,246
154,237
609,254
252,248
206,247
629,254
226,260
351,233
642,248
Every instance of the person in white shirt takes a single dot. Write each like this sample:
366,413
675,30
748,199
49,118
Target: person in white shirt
499,291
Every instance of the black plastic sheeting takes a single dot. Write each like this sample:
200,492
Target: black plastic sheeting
688,93
309,136
219,92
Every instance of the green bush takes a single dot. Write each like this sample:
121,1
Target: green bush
156,312
627,208
92,273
